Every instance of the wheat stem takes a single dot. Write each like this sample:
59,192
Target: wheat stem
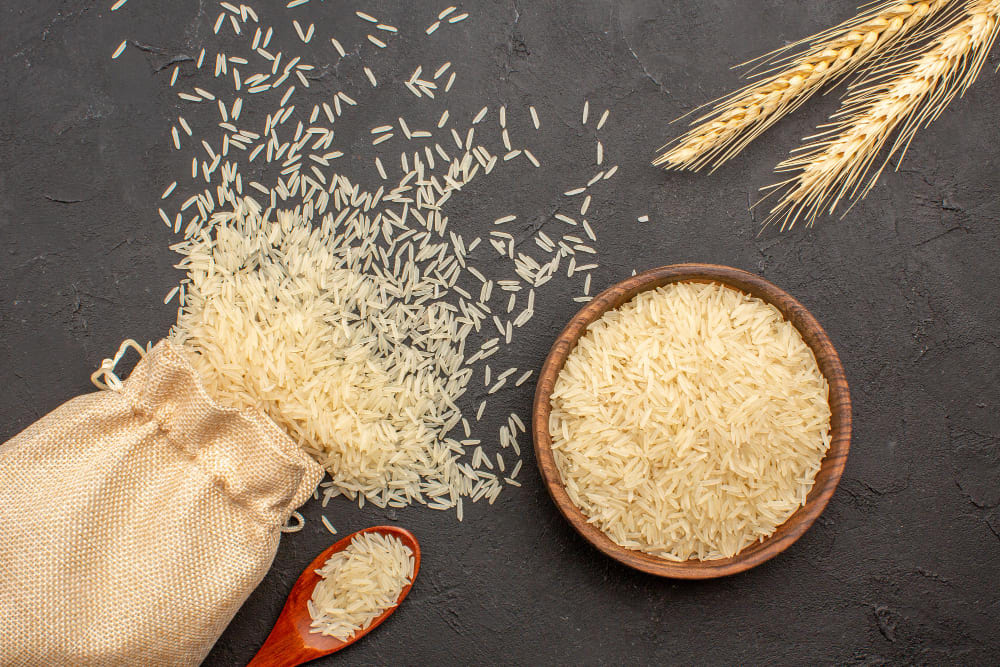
739,118
899,98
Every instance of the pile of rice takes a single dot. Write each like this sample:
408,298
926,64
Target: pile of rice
690,422
279,316
359,583
330,288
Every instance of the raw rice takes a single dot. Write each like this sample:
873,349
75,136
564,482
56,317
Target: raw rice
332,282
359,583
604,118
690,422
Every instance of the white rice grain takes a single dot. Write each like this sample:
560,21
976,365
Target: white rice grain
604,118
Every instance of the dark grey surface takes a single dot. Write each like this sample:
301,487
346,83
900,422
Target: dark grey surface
903,567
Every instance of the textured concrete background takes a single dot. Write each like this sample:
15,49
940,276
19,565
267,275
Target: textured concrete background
903,567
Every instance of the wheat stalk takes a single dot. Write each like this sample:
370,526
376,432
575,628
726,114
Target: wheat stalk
739,118
899,98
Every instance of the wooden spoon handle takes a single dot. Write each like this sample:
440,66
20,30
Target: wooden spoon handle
282,649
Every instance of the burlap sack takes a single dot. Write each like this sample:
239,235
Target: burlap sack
135,521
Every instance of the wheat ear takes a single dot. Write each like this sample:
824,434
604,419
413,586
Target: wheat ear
906,95
739,118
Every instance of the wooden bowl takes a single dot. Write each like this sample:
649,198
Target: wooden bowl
830,469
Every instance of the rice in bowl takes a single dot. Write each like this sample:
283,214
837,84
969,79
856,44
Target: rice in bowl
690,422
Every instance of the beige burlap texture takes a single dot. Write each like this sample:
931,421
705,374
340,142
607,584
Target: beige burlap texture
134,522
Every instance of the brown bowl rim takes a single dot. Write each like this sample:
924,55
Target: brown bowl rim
831,468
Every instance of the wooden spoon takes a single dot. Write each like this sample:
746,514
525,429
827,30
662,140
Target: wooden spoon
291,642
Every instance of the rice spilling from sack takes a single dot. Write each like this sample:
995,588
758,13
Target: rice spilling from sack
690,422
344,296
359,583
356,367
